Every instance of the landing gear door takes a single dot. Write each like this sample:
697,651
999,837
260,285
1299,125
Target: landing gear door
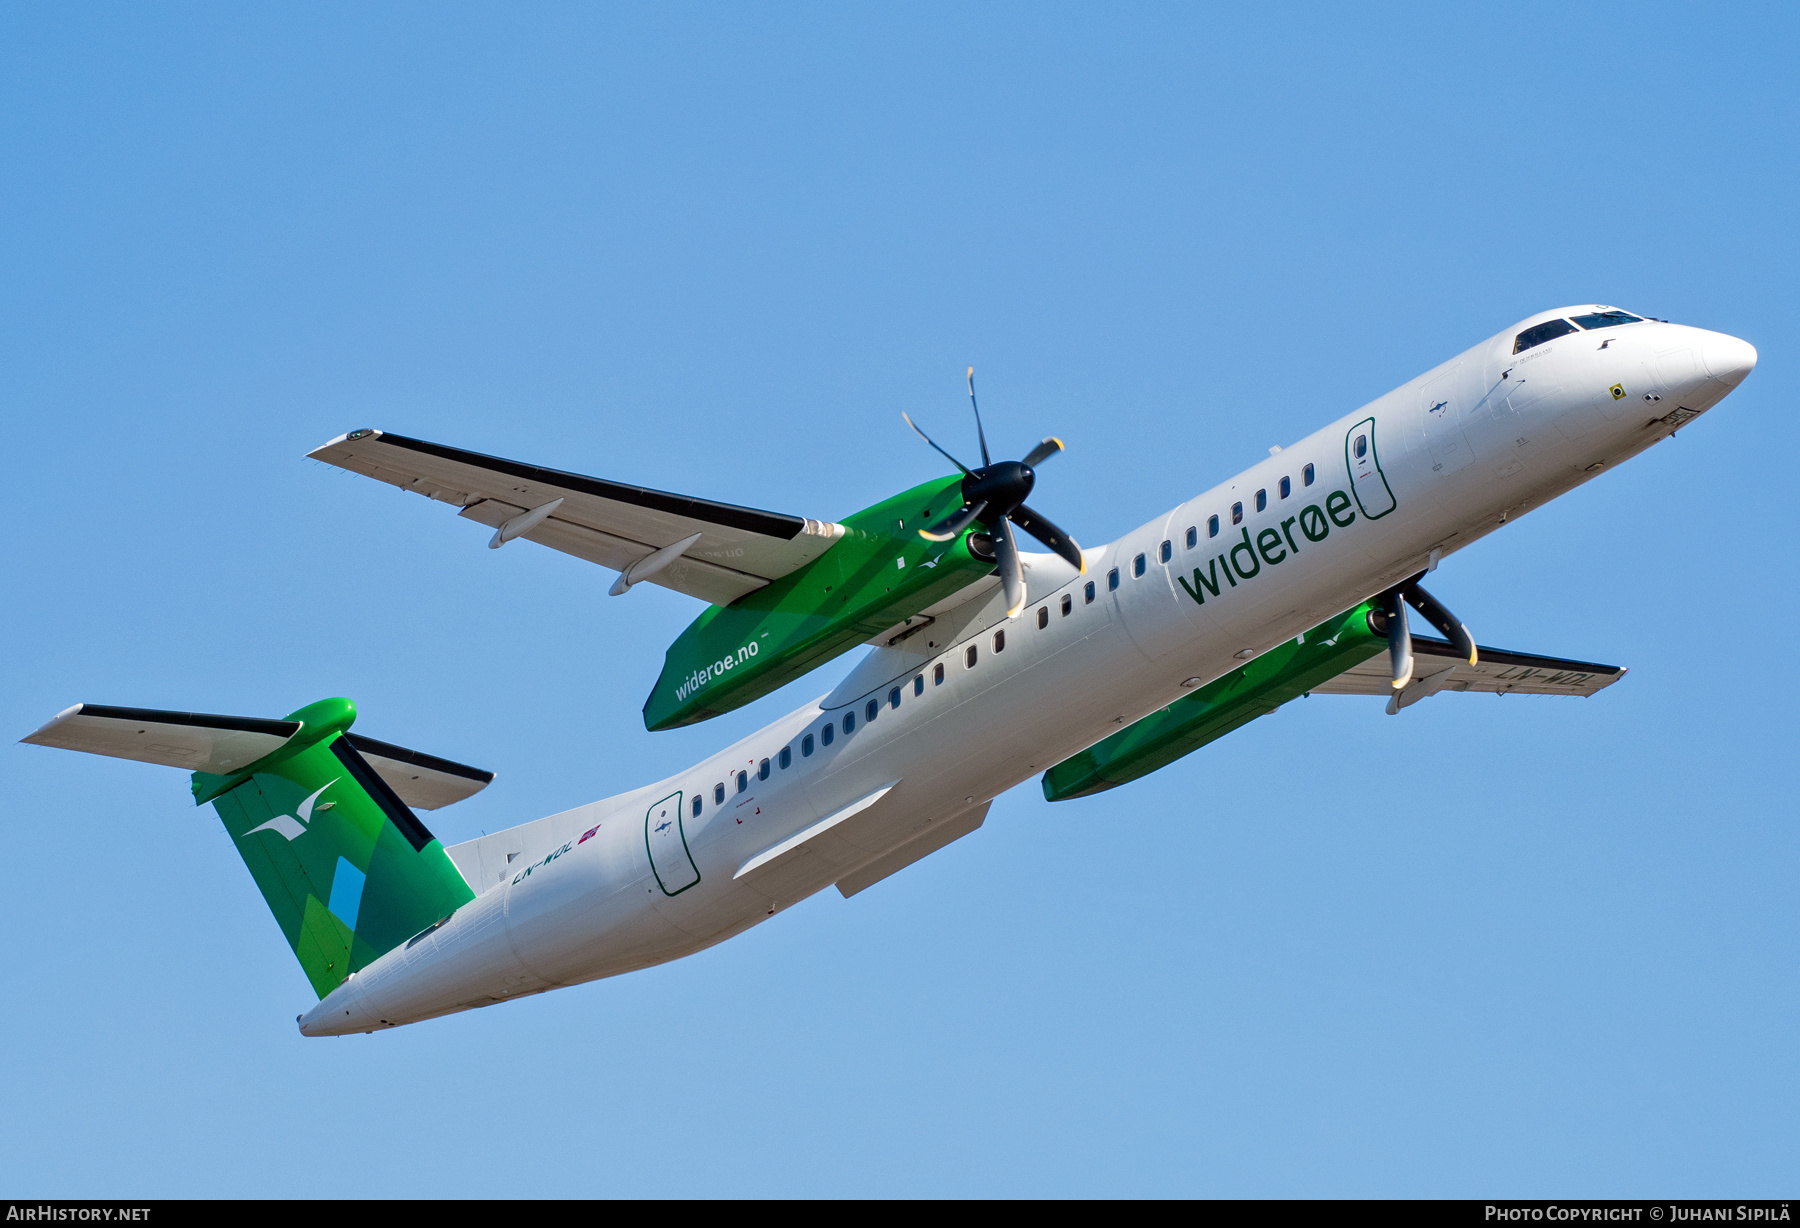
1367,481
667,843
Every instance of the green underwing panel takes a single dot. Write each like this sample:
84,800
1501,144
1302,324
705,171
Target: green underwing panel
1252,690
879,573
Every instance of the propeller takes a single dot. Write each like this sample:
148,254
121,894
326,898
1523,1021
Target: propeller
1399,635
994,495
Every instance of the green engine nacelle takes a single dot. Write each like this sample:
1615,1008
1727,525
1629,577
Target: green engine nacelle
878,574
1247,692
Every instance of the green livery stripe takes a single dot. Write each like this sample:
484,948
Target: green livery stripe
1247,692
347,870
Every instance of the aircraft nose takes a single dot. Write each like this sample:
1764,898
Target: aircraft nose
1728,358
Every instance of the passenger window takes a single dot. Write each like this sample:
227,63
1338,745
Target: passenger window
786,756
1212,526
1262,500
1237,513
849,723
1361,447
894,698
1043,617
1287,488
1068,604
1193,537
743,781
806,745
1168,550
919,685
762,770
871,710
828,734
1112,578
1137,566
1306,476
696,805
719,795
1088,593
999,641
1549,330
969,657
937,674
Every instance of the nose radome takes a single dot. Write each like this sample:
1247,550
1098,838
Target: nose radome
1728,358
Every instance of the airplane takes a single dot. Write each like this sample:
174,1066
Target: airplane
987,665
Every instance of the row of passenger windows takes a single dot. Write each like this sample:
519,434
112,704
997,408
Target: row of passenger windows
828,732
1165,552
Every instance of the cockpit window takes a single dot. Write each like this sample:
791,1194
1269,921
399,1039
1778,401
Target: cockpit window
1549,330
1606,319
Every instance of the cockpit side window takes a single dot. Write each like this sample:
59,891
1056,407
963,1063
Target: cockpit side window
1606,319
1549,330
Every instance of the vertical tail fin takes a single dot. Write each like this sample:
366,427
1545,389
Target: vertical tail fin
346,867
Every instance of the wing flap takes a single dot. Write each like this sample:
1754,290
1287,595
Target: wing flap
1497,671
695,577
605,522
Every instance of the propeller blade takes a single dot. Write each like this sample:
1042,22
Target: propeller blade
944,530
1043,452
928,439
1050,535
979,433
1012,571
1442,619
1399,638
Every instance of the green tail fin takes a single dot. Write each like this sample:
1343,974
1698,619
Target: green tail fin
346,867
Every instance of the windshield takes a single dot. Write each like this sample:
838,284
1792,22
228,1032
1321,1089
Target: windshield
1606,319
1549,330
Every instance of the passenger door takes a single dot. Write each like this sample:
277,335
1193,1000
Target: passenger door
1367,481
670,860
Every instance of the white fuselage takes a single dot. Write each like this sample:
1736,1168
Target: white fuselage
642,878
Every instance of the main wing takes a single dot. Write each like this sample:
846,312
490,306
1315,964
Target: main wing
738,550
1437,668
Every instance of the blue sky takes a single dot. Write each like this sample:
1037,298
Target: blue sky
1489,947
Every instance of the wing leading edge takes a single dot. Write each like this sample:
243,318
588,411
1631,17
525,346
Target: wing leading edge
738,549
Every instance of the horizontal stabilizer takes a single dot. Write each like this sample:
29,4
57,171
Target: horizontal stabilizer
197,741
737,551
1497,671
222,745
424,782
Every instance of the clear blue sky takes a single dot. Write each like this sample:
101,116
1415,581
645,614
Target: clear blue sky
1501,947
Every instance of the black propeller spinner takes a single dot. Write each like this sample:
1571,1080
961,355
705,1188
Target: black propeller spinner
995,496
